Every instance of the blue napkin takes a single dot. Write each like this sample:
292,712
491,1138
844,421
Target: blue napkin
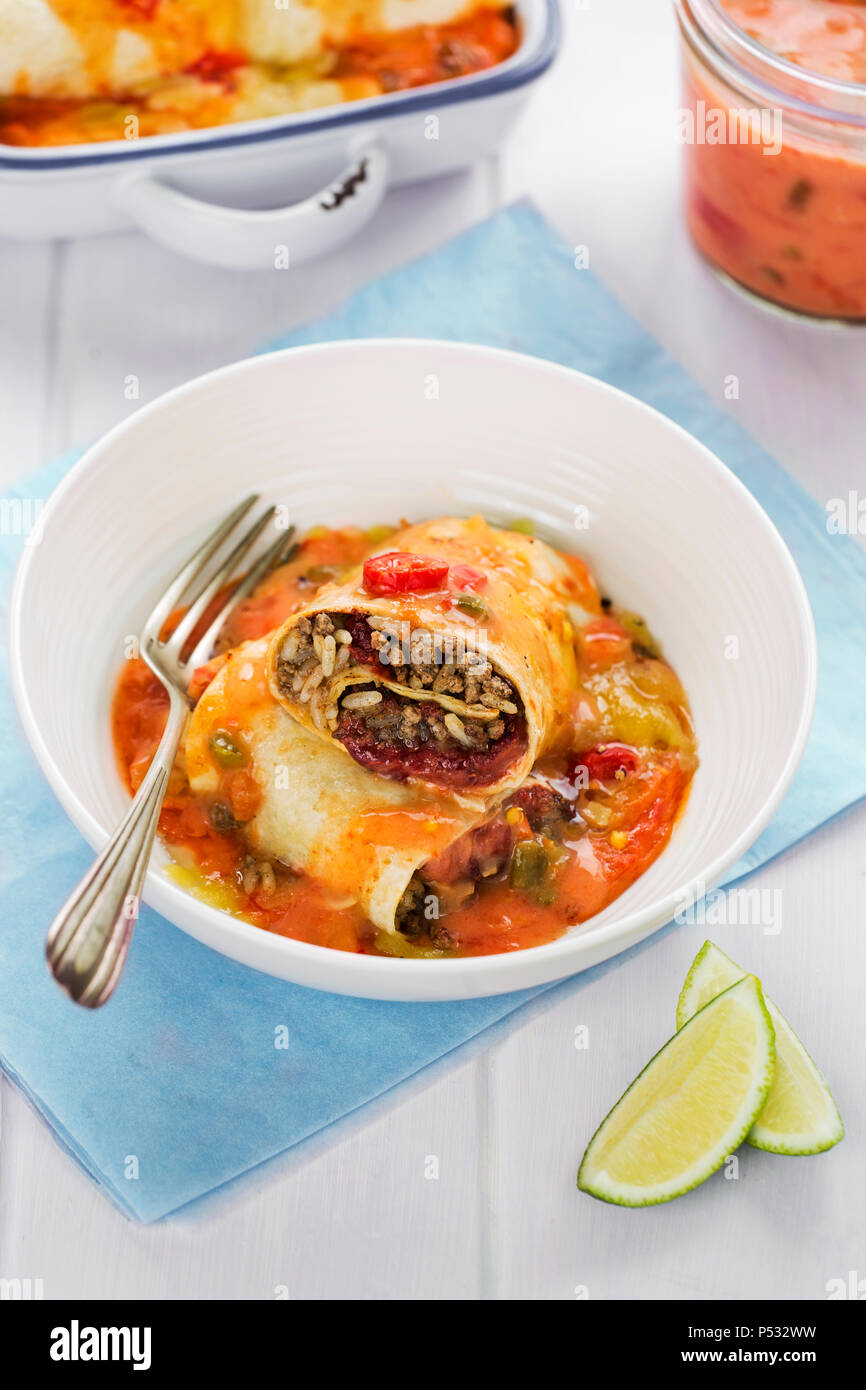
176,1086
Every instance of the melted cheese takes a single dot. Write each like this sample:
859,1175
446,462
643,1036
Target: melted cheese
288,31
80,48
85,48
39,54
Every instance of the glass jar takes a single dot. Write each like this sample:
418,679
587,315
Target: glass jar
775,169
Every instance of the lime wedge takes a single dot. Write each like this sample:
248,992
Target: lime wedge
690,1107
799,1114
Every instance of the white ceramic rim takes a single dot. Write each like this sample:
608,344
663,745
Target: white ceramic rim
472,976
538,46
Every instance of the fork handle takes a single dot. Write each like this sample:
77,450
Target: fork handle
89,938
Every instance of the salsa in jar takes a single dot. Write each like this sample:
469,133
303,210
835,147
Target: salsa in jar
774,131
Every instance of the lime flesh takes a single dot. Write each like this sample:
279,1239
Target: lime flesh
691,1106
799,1115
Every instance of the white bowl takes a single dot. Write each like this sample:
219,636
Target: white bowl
373,431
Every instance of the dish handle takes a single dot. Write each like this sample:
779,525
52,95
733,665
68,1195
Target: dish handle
251,240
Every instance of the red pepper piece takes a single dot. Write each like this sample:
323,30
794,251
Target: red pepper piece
467,577
400,573
606,761
214,64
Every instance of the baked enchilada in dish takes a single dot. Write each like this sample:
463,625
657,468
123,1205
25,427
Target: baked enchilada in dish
75,71
425,741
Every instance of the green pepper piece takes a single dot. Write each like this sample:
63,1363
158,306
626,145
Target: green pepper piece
799,193
471,603
225,750
395,944
529,865
639,633
375,534
321,574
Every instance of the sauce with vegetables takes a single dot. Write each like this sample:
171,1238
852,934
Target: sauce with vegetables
200,74
591,817
785,216
824,36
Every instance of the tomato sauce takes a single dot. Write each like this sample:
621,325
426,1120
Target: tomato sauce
430,53
458,768
825,36
228,82
556,853
139,713
785,216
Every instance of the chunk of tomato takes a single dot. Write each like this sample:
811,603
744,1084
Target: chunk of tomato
145,9
603,642
607,760
214,64
401,573
467,577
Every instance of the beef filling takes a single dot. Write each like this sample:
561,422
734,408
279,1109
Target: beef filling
452,876
447,763
449,878
389,733
545,809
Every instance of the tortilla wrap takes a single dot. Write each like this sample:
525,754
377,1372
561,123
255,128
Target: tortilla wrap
361,836
516,620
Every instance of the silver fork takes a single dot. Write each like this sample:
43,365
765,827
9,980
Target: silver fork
89,938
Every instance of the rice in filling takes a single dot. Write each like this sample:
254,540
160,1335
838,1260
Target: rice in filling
481,708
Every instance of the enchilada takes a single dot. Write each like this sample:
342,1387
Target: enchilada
74,71
274,819
448,658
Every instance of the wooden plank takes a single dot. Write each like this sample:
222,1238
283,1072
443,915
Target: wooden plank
29,279
365,1219
362,1218
784,1226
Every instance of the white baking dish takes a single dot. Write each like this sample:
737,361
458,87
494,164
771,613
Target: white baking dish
229,195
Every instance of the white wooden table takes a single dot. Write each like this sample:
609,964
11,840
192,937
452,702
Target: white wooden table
358,1218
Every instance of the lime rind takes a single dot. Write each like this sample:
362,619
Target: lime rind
797,1079
824,1133
709,961
594,1179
